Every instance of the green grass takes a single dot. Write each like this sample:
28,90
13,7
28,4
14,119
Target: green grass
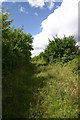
42,91
59,97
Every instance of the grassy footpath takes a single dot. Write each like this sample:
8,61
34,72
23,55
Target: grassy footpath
58,96
42,91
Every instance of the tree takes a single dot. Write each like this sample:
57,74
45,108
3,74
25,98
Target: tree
16,45
61,49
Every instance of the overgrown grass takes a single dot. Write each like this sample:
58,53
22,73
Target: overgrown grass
18,88
59,97
42,91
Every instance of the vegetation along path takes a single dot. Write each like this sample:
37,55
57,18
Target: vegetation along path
42,90
45,86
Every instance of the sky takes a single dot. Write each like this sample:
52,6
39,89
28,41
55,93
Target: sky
45,19
30,17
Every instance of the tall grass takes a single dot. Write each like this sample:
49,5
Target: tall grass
58,98
41,91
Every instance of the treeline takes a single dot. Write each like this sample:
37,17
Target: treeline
16,45
59,50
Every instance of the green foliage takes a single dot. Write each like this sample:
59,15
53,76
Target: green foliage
16,45
41,91
58,96
39,58
61,50
38,90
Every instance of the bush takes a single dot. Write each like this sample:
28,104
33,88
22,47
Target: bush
61,50
16,45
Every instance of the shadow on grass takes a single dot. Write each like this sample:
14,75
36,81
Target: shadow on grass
19,89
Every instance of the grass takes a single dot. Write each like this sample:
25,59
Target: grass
42,91
59,96
18,92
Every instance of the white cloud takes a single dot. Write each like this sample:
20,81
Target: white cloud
23,10
36,14
2,1
41,3
51,5
36,3
64,21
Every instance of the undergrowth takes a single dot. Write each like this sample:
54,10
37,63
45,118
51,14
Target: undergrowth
42,91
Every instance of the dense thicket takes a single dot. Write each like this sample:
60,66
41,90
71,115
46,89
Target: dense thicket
61,50
16,45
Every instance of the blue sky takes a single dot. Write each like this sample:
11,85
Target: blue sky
45,19
31,17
